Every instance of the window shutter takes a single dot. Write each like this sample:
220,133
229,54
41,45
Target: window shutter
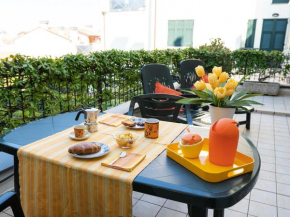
280,1
250,34
273,34
188,33
171,32
279,35
180,33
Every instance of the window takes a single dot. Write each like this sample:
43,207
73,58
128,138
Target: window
273,34
280,1
180,33
250,34
127,5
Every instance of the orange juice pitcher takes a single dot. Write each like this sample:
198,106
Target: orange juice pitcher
223,142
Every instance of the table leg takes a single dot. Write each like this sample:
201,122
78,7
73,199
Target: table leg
194,211
16,176
248,120
218,213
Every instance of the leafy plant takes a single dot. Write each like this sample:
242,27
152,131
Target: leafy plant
216,45
219,92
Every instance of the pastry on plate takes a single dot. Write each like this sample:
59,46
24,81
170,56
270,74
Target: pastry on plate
129,123
84,148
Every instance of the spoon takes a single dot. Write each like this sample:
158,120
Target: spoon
123,154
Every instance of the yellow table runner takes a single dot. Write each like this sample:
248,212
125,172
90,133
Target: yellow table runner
53,183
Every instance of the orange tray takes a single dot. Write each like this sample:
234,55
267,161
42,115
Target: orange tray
203,168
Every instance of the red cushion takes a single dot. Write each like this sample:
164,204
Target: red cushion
205,78
159,88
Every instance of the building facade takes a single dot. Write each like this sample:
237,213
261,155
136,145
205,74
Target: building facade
161,24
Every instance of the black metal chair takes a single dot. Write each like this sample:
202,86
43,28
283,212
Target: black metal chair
188,74
152,73
160,106
188,77
10,199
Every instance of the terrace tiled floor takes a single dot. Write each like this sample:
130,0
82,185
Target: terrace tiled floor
271,195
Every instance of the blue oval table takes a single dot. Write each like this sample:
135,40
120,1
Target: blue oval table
163,177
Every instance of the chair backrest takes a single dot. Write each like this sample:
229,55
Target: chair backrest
188,74
160,106
155,72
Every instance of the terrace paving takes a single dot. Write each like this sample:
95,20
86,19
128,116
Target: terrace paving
270,132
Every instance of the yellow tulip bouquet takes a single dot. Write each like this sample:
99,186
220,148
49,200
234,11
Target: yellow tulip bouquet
219,91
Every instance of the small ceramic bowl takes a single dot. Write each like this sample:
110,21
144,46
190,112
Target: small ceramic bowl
124,142
191,151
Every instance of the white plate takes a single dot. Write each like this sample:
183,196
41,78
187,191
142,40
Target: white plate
137,126
104,150
72,136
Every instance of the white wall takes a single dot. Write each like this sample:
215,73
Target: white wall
225,19
43,43
264,10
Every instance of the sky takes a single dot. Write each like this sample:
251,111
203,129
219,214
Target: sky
24,15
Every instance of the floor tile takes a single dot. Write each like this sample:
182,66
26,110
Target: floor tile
282,148
283,189
241,206
283,212
266,152
2,214
282,138
231,213
278,134
282,178
262,210
282,154
282,161
164,212
283,201
268,167
181,207
283,169
137,195
263,197
144,209
265,135
152,199
266,185
266,146
266,141
267,159
9,211
134,201
266,175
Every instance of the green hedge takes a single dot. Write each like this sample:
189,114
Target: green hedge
37,87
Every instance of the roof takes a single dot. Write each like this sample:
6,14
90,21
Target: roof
88,33
52,32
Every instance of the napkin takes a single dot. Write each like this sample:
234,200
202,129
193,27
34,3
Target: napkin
114,120
128,163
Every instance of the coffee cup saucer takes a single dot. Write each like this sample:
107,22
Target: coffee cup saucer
72,136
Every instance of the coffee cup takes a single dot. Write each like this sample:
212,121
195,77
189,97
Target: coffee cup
80,131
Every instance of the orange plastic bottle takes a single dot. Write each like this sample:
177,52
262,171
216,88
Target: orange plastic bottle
223,142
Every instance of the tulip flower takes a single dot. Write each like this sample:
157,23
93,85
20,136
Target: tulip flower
217,71
229,92
199,85
200,71
208,86
212,78
216,84
232,83
220,92
223,77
